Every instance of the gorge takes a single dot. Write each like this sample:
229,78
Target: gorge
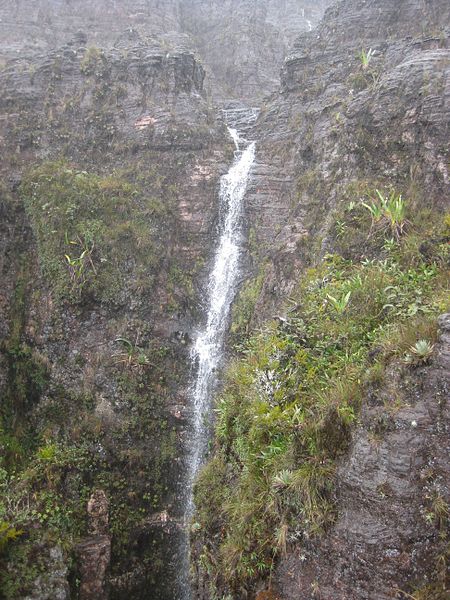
224,330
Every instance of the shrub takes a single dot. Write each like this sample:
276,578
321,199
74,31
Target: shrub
290,400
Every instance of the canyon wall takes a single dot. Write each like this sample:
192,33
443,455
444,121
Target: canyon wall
112,147
364,105
111,155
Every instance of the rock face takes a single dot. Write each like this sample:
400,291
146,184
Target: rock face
53,584
132,129
110,104
328,134
383,538
339,128
242,44
95,551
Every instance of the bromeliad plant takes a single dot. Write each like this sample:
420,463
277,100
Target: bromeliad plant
132,355
366,58
388,212
420,353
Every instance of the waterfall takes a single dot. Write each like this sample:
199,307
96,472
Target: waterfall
207,349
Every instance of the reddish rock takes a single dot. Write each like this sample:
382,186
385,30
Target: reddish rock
95,551
267,595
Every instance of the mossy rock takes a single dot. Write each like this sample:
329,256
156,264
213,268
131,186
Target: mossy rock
94,233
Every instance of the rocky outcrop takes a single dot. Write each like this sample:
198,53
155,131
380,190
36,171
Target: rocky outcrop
392,487
339,127
241,43
95,551
53,584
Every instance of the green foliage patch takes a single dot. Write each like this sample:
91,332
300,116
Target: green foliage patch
92,231
290,400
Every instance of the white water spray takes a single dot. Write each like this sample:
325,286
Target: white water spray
207,349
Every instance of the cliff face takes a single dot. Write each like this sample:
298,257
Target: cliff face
112,152
112,155
388,535
364,106
242,44
111,163
340,126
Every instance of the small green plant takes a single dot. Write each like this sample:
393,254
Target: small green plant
132,355
79,266
390,245
420,353
341,229
366,58
388,212
340,304
92,61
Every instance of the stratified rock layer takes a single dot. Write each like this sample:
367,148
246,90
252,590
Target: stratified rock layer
383,541
242,43
337,128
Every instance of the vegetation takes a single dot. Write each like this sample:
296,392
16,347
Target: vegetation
57,446
90,230
93,62
366,57
388,211
292,396
420,352
46,483
131,356
244,307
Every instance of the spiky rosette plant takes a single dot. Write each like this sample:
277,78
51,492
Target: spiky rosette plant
420,353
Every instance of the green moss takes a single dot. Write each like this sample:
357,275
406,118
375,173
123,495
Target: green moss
244,306
91,231
27,378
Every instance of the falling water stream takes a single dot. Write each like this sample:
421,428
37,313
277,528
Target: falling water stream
208,346
207,349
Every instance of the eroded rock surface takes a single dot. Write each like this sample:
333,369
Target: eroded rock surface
242,43
387,534
337,128
95,551
125,90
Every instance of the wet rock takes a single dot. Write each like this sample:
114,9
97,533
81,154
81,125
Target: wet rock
334,125
382,540
95,551
242,43
53,585
95,555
